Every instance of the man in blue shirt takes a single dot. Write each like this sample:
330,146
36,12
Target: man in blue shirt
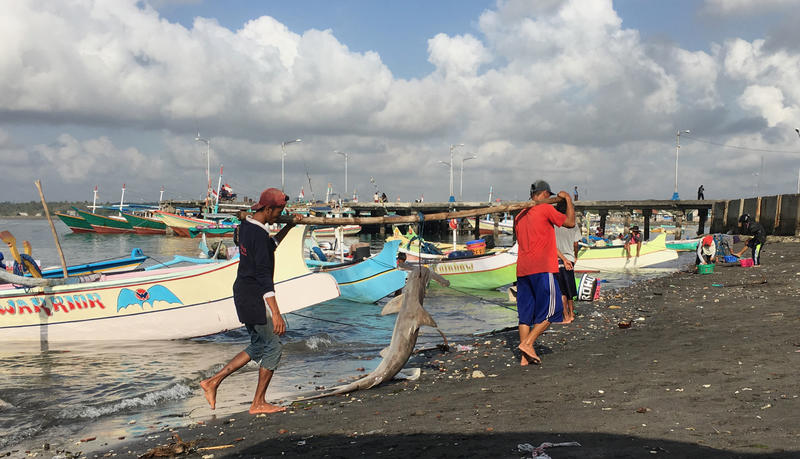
254,297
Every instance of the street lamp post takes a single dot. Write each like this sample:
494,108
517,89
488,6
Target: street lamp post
283,156
346,157
461,187
798,171
452,148
677,150
208,164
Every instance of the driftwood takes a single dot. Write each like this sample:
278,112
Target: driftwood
399,219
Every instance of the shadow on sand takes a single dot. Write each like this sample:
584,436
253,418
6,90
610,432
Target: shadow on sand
502,445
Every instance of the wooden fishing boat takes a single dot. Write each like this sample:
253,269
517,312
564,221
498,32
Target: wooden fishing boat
347,230
180,224
104,224
145,225
613,258
369,280
486,225
76,223
482,272
683,245
106,266
170,303
221,230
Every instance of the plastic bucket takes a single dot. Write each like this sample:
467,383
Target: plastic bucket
731,258
746,262
706,269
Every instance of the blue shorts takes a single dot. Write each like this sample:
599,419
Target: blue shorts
539,299
265,347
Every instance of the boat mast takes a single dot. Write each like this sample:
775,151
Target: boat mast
219,186
94,200
121,199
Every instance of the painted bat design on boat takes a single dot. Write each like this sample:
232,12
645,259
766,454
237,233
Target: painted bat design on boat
140,296
410,317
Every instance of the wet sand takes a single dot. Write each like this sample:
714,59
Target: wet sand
710,366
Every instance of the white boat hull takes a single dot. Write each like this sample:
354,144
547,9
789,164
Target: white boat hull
161,304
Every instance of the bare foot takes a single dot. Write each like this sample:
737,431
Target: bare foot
529,354
567,320
265,408
523,361
210,390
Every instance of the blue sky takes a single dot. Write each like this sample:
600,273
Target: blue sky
567,90
397,30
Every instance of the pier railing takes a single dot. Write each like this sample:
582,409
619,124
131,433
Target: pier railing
779,215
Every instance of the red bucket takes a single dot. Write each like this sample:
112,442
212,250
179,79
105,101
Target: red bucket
746,262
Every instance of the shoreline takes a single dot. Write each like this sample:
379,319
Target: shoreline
704,369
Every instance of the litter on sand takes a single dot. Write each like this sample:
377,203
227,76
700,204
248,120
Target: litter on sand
538,452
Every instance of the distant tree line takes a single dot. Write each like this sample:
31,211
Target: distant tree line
10,209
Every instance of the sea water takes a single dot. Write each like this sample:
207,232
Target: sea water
127,388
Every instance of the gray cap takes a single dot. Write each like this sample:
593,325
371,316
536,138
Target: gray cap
540,185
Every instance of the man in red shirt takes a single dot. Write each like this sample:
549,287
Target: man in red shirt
538,295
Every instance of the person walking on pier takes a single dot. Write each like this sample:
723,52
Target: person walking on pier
254,298
575,193
700,194
538,295
755,243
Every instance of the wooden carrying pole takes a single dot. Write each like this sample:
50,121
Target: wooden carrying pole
400,219
52,228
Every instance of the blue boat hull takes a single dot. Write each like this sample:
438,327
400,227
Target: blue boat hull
372,279
119,264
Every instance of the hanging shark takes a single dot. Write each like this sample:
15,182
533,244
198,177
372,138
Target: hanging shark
410,317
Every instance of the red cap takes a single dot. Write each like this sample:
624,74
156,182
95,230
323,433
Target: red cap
271,197
708,240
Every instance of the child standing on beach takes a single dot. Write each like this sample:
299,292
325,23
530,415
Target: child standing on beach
253,295
538,295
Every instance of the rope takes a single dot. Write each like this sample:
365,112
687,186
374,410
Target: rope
483,299
338,323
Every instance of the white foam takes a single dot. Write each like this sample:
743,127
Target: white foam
4,404
318,342
176,392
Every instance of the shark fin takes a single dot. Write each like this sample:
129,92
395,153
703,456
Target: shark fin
426,319
393,306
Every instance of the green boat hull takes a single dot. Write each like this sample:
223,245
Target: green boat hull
145,225
76,224
103,224
486,280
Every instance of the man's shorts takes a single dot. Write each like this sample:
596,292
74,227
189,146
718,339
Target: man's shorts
539,299
566,282
265,347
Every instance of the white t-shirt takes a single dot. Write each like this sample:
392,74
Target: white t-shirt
565,240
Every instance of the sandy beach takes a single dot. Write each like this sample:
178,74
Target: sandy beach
708,367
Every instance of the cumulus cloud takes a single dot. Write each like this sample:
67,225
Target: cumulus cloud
555,87
740,7
78,160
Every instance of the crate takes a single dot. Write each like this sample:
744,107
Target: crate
706,269
731,258
746,262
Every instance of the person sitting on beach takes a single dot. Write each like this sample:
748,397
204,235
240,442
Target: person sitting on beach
706,251
253,295
538,295
756,243
634,237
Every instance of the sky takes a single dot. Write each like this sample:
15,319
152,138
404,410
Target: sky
586,93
